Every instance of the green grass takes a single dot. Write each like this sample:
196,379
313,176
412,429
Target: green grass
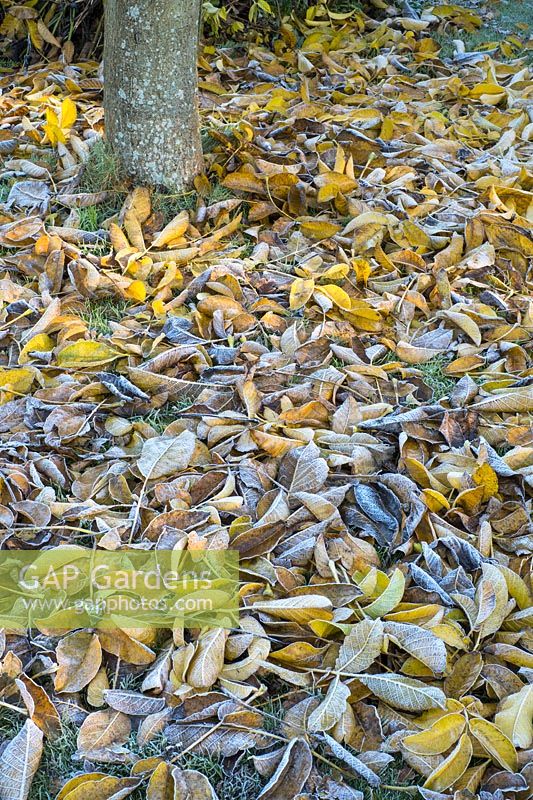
389,358
10,724
61,495
89,218
102,171
218,194
337,362
161,418
230,782
283,8
391,776
169,205
242,783
245,247
130,682
209,142
210,766
434,376
5,188
7,63
344,6
499,21
97,314
386,555
46,158
476,40
56,765
92,218
273,712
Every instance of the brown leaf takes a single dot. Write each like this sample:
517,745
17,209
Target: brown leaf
103,729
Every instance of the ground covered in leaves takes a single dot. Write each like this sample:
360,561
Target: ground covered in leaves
320,357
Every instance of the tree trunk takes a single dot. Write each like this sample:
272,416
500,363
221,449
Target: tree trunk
150,89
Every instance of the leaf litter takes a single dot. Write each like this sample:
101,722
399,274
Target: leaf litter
322,360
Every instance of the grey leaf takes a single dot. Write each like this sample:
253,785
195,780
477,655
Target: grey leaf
370,501
19,762
428,583
464,553
34,195
133,703
394,422
121,387
351,760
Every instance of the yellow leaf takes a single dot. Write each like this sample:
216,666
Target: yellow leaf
470,500
517,588
301,291
69,113
434,500
418,472
387,129
174,230
53,132
86,354
466,324
275,446
451,769
17,380
41,343
47,35
276,104
438,738
35,35
485,476
515,717
333,183
496,743
319,229
337,296
327,193
362,270
363,316
389,598
244,181
208,659
471,778
336,273
340,162
141,203
331,708
136,291
488,93
158,307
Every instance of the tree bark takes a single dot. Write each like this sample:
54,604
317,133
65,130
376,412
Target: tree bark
150,89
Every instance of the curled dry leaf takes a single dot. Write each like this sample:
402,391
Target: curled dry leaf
40,708
291,774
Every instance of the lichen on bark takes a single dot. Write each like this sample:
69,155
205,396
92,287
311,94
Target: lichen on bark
150,89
